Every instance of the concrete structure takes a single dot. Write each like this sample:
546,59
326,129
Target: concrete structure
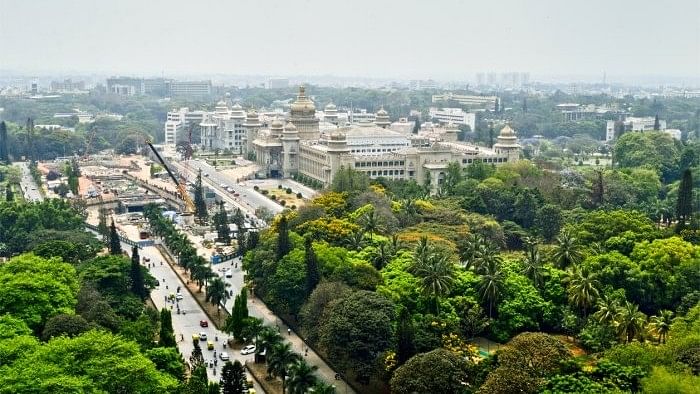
189,88
454,115
633,124
67,86
361,116
179,122
283,150
486,102
223,128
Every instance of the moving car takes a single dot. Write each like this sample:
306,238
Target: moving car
223,356
203,323
229,274
202,336
210,345
248,350
178,297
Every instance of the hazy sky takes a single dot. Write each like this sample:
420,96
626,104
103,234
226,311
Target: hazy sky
378,38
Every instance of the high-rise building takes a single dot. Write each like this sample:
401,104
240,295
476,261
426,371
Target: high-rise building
189,88
454,115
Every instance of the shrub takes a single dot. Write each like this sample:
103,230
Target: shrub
293,207
299,195
283,202
273,197
264,192
279,186
289,190
256,188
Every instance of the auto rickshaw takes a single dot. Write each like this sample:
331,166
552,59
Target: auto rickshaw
210,345
195,338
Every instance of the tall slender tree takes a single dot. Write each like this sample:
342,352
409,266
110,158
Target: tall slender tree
138,282
115,245
657,124
4,143
312,274
684,203
233,379
405,336
102,227
223,232
200,205
166,337
491,135
283,242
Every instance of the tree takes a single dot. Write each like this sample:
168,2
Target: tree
198,382
138,284
33,289
629,321
115,244
196,358
4,143
436,272
301,377
583,288
166,337
608,307
200,206
491,132
533,267
217,293
548,221
169,360
63,324
312,311
684,203
322,387
233,378
313,277
598,189
538,354
405,348
567,250
235,323
657,124
661,324
491,283
356,329
280,357
370,223
96,361
438,371
283,242
223,233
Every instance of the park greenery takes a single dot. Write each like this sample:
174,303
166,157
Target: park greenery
589,276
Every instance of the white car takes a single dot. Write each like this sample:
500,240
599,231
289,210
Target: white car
223,356
248,350
202,336
229,274
178,296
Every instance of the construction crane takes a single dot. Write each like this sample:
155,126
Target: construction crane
189,205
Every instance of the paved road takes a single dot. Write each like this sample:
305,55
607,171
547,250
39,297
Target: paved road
187,324
29,188
247,194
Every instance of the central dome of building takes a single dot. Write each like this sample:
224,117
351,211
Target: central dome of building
303,106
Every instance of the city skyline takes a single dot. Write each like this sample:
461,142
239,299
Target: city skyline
445,40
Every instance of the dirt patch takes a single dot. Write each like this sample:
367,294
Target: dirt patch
290,199
573,347
259,372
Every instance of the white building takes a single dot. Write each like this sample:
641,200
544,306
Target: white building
180,121
633,124
223,129
454,115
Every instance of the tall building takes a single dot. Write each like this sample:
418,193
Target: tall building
454,115
485,102
282,150
632,123
224,129
179,122
189,88
125,86
67,86
303,115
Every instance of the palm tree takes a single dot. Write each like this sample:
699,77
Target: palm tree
382,256
491,283
583,288
608,307
436,274
661,324
356,240
370,223
301,377
252,328
486,257
630,321
567,251
533,267
267,339
201,273
395,243
470,249
216,293
279,358
322,387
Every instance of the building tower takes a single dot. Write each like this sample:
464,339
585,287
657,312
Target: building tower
507,144
382,118
337,147
330,114
303,115
251,126
276,127
290,150
451,131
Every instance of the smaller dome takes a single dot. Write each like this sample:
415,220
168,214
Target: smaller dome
276,124
330,107
290,127
382,112
253,113
221,103
507,131
237,106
